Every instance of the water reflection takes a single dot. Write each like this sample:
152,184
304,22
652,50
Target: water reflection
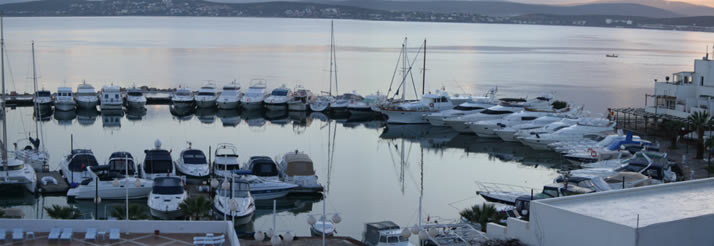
206,115
65,117
135,114
87,116
229,117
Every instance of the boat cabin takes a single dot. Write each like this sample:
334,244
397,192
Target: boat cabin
158,161
263,166
167,186
122,162
298,164
64,93
382,232
194,157
80,159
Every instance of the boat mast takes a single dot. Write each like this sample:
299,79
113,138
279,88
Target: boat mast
334,55
4,99
332,44
423,73
37,104
404,69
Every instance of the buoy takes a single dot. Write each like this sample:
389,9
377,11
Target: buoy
259,236
311,220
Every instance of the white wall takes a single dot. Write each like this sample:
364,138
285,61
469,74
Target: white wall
134,226
691,232
704,68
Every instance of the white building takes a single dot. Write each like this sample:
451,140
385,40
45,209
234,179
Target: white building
669,214
685,92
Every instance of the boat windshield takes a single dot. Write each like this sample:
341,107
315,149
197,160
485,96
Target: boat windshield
229,167
12,168
194,157
167,186
205,93
264,168
135,93
158,161
280,93
254,94
43,94
183,93
80,163
120,164
87,94
239,190
467,108
495,112
392,239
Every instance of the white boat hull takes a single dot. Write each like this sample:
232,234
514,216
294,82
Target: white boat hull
319,107
458,126
136,104
110,192
405,117
206,103
297,106
87,103
65,106
484,131
251,105
228,104
508,136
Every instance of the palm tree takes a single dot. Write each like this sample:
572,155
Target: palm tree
482,215
63,212
700,120
136,212
672,128
196,208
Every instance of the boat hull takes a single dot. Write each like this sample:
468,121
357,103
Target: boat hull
251,105
65,106
298,106
458,126
227,104
275,106
109,193
136,104
405,117
92,104
206,103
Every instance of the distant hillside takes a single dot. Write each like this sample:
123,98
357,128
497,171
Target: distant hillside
681,8
504,8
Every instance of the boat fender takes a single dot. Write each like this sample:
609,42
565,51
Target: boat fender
48,179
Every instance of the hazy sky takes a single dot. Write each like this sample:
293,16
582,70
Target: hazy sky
709,3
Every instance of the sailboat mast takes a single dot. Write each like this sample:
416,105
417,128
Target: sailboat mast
332,40
34,81
423,73
404,69
4,99
334,57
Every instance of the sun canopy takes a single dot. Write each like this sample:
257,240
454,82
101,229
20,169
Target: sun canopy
298,164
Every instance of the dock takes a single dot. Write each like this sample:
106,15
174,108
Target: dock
46,183
308,241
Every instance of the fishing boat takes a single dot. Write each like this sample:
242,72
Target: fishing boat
300,100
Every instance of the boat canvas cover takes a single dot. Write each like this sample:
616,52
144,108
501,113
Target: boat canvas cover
299,165
81,159
380,226
158,161
167,186
264,168
194,156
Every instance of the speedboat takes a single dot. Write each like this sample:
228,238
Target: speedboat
167,193
488,128
301,99
510,196
254,96
135,98
183,98
264,167
74,166
583,127
278,99
230,96
615,163
657,168
111,98
261,188
508,133
234,200
207,96
193,163
16,173
123,162
343,101
463,107
321,103
297,168
32,155
86,96
157,163
226,160
506,107
42,100
384,233
64,99
548,128
322,226
414,112
110,185
365,106
611,147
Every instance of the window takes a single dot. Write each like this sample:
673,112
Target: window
528,118
495,112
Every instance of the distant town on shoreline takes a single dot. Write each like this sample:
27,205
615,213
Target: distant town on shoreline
331,10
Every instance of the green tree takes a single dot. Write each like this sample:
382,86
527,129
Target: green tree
196,208
700,120
136,212
63,212
672,129
482,215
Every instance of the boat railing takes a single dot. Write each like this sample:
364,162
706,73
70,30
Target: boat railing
501,187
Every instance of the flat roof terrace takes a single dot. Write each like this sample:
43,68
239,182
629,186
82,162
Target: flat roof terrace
652,204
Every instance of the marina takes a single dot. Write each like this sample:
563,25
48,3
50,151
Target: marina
269,159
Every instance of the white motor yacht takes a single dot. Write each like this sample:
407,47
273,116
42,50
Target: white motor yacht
230,96
297,168
264,167
226,160
343,101
612,147
42,100
64,99
135,98
110,185
384,233
86,96
111,98
437,118
157,163
300,100
254,96
508,133
207,96
183,98
321,103
74,166
414,112
506,107
234,200
193,163
548,128
16,173
278,99
365,106
261,188
167,193
583,127
615,163
655,167
487,128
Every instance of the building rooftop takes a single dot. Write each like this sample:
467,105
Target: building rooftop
653,204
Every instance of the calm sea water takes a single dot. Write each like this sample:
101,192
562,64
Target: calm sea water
376,173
